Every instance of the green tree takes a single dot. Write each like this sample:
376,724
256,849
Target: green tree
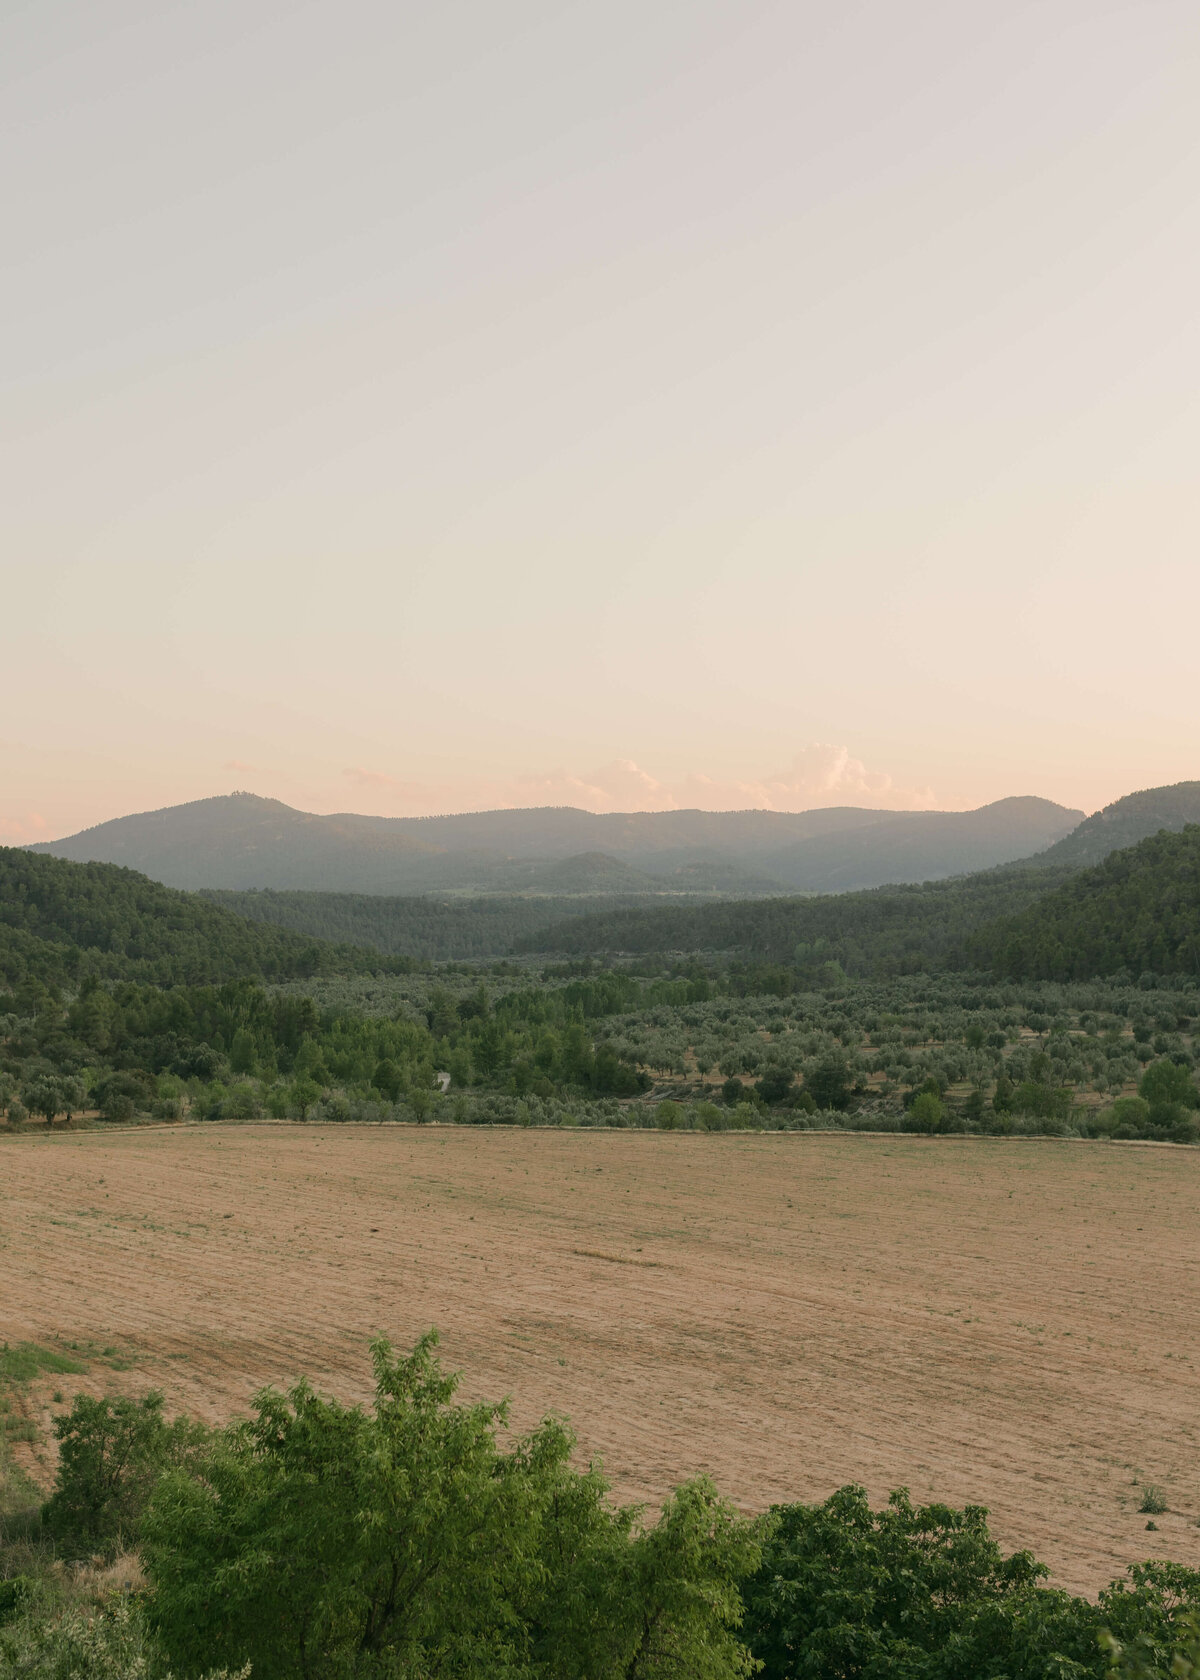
302,1094
921,1592
775,1084
926,1114
43,1096
828,1082
242,1052
387,1078
327,1541
1169,1090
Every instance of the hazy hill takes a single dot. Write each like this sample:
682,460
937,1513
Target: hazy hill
1138,911
240,841
1126,821
589,873
61,921
923,846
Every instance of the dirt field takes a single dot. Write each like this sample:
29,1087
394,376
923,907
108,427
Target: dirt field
1016,1323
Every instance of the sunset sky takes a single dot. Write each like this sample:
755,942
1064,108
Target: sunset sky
410,407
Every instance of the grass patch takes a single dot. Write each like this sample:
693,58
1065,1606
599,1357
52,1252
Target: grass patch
21,1362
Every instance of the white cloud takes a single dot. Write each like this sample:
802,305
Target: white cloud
819,774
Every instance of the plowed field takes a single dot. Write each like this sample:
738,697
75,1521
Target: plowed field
1015,1323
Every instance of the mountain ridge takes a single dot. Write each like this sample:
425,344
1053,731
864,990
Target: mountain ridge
241,841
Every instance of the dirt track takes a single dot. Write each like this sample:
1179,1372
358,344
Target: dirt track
1012,1323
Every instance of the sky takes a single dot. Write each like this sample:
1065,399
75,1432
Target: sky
411,408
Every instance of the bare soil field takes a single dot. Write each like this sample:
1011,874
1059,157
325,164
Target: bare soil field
1013,1323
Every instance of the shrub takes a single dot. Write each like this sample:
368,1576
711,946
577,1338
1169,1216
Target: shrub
111,1643
1154,1500
111,1454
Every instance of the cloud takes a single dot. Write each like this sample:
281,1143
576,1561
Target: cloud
239,764
20,831
819,774
621,785
426,795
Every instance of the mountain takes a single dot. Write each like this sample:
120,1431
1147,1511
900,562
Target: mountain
1138,911
923,846
239,841
62,921
1125,822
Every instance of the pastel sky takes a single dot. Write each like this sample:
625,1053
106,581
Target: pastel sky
411,407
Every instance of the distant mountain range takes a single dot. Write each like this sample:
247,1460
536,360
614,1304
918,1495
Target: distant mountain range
240,841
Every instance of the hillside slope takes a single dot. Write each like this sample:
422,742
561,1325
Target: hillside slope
923,846
239,841
1137,912
61,921
422,927
1125,822
881,932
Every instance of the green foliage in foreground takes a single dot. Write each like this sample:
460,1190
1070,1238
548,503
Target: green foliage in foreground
924,1593
323,1540
1140,1659
111,1642
317,1541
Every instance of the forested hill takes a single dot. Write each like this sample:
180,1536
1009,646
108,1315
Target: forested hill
1137,912
430,929
1124,823
881,932
60,922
